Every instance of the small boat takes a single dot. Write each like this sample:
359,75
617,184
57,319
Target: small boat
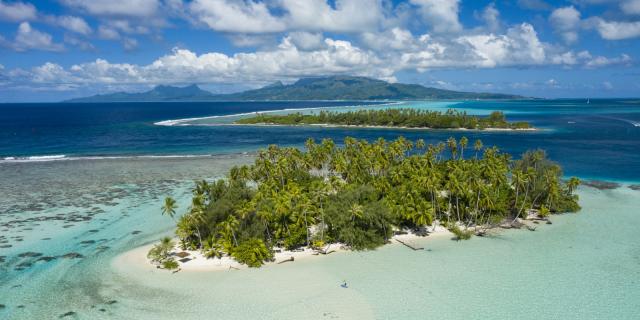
588,101
344,285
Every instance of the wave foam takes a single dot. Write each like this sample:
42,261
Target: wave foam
74,158
184,121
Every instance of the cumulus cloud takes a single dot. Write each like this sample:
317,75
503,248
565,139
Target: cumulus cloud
71,23
307,40
566,22
182,65
587,60
300,15
441,15
17,11
601,61
28,38
377,54
348,15
236,16
615,30
519,46
491,17
393,39
122,20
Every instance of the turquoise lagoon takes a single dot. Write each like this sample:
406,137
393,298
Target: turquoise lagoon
65,221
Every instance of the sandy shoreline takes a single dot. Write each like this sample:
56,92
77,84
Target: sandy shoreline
137,258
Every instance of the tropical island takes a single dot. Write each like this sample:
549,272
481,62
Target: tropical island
305,89
392,118
359,195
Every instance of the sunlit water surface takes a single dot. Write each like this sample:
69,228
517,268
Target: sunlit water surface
64,221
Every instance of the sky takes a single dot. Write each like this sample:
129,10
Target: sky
51,50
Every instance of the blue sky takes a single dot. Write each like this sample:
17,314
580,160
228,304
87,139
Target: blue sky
58,49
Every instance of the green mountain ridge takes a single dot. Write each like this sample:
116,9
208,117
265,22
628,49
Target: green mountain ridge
321,88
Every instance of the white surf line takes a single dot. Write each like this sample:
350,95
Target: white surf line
72,158
184,121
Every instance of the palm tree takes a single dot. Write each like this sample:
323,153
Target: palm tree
572,184
356,211
463,144
477,146
169,207
453,147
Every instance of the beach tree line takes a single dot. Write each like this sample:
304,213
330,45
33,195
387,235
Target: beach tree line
359,193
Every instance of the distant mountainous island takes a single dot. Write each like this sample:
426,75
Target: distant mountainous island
325,88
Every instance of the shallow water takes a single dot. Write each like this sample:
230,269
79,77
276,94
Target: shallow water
584,266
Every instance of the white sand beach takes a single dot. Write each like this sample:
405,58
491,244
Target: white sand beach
195,261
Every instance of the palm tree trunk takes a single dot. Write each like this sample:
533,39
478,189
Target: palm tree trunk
306,226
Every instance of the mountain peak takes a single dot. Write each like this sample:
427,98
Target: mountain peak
312,88
276,84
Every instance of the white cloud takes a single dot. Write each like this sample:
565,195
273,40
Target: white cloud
587,60
601,61
252,40
285,61
441,15
566,22
491,17
306,40
318,15
393,39
82,44
630,7
122,8
519,46
615,30
236,16
28,38
50,73
17,11
129,43
296,15
301,54
108,33
71,23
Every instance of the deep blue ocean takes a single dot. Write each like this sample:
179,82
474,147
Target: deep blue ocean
600,139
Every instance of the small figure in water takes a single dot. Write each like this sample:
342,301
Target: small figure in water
344,284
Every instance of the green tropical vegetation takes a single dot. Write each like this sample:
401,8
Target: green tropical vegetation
406,118
161,254
360,193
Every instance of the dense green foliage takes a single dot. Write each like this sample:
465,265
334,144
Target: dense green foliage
252,252
409,118
170,264
360,193
161,254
